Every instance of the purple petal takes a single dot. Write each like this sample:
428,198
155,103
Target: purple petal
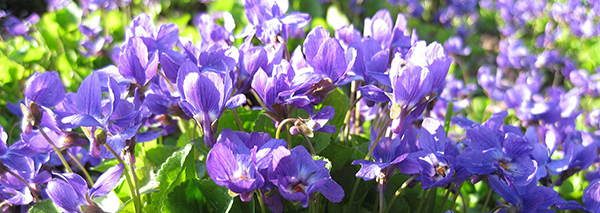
46,89
107,181
66,192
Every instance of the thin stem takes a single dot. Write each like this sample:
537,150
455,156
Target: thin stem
237,119
260,102
423,199
87,176
82,168
464,202
432,206
56,150
135,182
487,198
454,198
354,189
261,202
350,111
449,112
399,192
371,149
347,118
379,135
136,200
281,125
311,148
381,189
446,195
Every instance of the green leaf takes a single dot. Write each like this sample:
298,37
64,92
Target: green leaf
169,175
45,206
104,165
340,102
340,155
217,197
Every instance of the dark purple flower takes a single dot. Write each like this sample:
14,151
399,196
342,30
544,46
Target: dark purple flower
206,95
87,107
268,20
275,89
530,197
298,176
591,196
70,192
211,31
16,27
45,89
455,45
437,156
389,155
94,40
496,149
237,159
136,62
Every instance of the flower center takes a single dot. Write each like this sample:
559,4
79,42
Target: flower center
441,170
299,187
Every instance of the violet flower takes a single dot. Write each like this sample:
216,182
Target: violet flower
298,176
240,160
316,123
591,196
267,20
494,149
389,155
206,95
70,192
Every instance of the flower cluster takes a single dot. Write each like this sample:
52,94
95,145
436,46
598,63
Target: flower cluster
528,123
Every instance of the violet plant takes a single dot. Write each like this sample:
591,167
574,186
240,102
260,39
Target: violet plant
300,106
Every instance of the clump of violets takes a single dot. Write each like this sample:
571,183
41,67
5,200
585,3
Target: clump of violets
248,163
284,111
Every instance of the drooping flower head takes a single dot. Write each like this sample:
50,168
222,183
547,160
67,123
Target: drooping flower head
239,161
70,192
298,176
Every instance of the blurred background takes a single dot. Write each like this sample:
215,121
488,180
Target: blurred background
76,37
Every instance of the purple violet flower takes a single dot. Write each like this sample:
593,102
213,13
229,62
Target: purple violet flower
298,176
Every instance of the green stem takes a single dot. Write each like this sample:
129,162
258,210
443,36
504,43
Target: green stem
446,195
454,198
82,168
488,196
311,148
281,125
56,150
137,204
423,199
379,135
237,119
257,97
449,112
261,202
464,202
353,193
381,190
346,127
367,156
399,192
432,206
135,182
